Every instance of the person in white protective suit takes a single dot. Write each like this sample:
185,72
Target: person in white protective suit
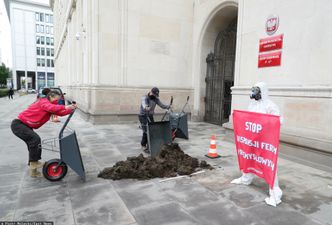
262,104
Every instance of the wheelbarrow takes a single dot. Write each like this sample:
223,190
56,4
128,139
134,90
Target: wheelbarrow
70,155
158,133
165,131
179,123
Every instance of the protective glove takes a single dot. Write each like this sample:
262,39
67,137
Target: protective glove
72,106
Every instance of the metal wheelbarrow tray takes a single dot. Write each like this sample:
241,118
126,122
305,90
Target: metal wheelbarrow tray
159,133
179,125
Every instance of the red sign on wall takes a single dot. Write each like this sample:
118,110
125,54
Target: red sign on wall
271,43
257,143
269,59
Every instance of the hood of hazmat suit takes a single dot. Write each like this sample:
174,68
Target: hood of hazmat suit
264,104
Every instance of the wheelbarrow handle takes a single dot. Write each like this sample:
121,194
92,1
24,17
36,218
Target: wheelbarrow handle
182,111
66,123
148,116
170,104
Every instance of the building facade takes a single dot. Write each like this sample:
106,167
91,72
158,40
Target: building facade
1,30
109,52
32,44
5,42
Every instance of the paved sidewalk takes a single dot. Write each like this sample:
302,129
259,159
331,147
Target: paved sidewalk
206,199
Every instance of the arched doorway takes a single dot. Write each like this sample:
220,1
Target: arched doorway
220,76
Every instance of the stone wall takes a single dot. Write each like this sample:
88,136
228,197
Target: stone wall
110,52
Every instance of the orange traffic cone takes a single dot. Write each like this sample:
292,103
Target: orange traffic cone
213,148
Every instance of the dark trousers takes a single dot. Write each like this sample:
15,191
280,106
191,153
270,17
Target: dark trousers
30,137
10,96
144,124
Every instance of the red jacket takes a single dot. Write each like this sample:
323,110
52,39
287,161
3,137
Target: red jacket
39,112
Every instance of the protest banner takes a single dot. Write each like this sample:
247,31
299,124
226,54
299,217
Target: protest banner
257,143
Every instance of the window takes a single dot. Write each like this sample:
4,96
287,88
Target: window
47,30
47,18
48,63
37,39
52,52
47,40
42,40
48,52
38,62
42,51
43,62
38,50
52,41
37,28
52,63
50,79
51,18
41,79
41,28
37,16
51,30
41,17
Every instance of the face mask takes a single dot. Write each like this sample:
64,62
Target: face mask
152,97
256,93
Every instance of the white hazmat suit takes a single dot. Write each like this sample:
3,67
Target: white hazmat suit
263,105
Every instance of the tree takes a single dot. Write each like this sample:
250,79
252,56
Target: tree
4,74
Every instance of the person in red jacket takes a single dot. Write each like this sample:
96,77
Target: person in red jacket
35,116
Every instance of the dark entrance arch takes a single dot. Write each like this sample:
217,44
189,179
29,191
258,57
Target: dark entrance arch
220,76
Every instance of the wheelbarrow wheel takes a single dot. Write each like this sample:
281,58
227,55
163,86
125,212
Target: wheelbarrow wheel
54,170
